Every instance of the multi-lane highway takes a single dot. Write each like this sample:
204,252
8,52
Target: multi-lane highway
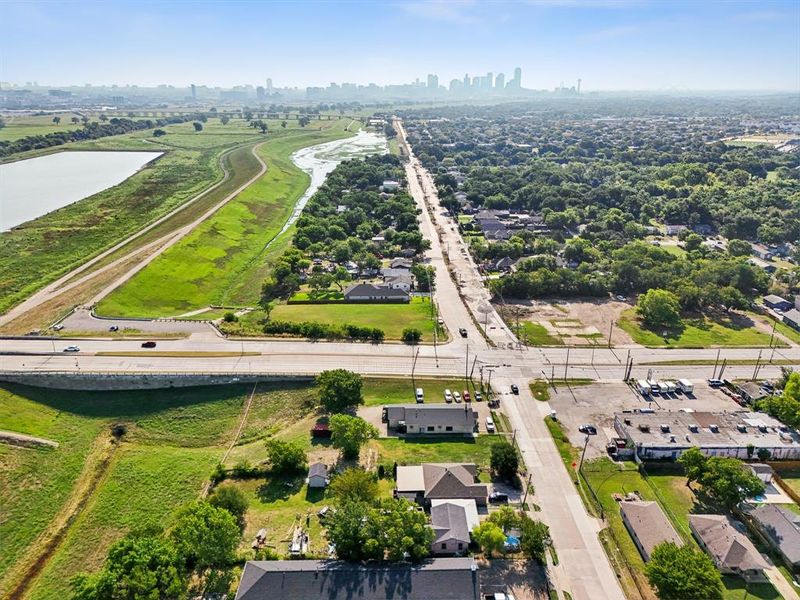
463,303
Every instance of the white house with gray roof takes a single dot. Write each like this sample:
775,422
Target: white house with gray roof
440,481
432,419
729,547
781,528
452,522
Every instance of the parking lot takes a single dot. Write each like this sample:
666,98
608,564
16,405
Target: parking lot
596,404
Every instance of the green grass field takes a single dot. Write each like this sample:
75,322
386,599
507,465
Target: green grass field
20,126
392,318
174,438
222,260
535,334
379,392
697,333
411,451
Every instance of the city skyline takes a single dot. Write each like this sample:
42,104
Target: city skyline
610,45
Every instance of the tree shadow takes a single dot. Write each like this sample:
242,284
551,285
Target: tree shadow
279,488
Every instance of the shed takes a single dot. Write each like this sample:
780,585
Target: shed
317,475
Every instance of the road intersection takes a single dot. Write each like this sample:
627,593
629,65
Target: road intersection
464,303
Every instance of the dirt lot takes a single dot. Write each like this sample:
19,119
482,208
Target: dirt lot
596,404
571,318
524,579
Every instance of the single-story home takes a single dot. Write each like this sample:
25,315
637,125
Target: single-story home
317,475
762,264
401,263
761,251
432,419
781,528
436,579
399,282
648,526
390,185
751,391
452,522
370,292
776,302
729,547
674,229
792,318
440,481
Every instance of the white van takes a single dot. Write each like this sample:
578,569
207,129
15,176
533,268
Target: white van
686,386
420,395
489,425
448,396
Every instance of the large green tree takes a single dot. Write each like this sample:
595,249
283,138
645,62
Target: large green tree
504,460
659,308
205,536
490,537
350,433
339,390
681,572
286,457
232,499
138,567
726,480
534,539
354,485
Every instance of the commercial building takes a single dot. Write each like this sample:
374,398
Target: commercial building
432,419
437,579
648,526
667,434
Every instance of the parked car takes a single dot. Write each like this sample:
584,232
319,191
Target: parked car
489,424
58,327
419,395
463,332
440,320
72,349
514,389
148,344
498,498
466,396
478,397
715,383
448,396
588,429
621,298
457,397
113,328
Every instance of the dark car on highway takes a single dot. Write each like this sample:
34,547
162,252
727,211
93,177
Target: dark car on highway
514,389
463,332
148,344
588,429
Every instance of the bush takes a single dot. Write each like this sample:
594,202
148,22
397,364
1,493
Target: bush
245,470
230,317
314,330
286,457
411,335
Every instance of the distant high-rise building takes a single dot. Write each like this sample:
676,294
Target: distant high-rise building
466,80
194,93
500,81
260,93
517,78
579,85
455,85
269,85
433,82
489,80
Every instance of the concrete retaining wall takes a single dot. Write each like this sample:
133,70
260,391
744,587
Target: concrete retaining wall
135,381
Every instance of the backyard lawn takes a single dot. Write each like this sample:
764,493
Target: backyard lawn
378,392
697,332
411,451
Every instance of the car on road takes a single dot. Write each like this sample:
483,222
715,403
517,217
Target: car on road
466,396
489,425
457,397
478,397
463,332
588,429
58,327
514,389
498,498
448,396
715,383
621,298
440,321
113,328
72,349
148,344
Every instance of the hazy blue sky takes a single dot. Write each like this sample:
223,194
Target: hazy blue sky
625,44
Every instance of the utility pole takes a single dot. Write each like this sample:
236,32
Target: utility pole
772,335
566,365
758,360
610,331
716,360
527,487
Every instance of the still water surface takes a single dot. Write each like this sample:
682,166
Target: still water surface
36,186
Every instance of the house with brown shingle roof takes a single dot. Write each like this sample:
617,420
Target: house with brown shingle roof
440,481
728,545
648,526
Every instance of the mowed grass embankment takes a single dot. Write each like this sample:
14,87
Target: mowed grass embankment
173,441
20,126
220,262
41,250
391,318
697,332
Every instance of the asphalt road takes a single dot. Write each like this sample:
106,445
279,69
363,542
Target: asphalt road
584,570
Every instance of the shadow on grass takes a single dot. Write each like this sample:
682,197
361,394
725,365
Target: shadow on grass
437,439
314,494
279,488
